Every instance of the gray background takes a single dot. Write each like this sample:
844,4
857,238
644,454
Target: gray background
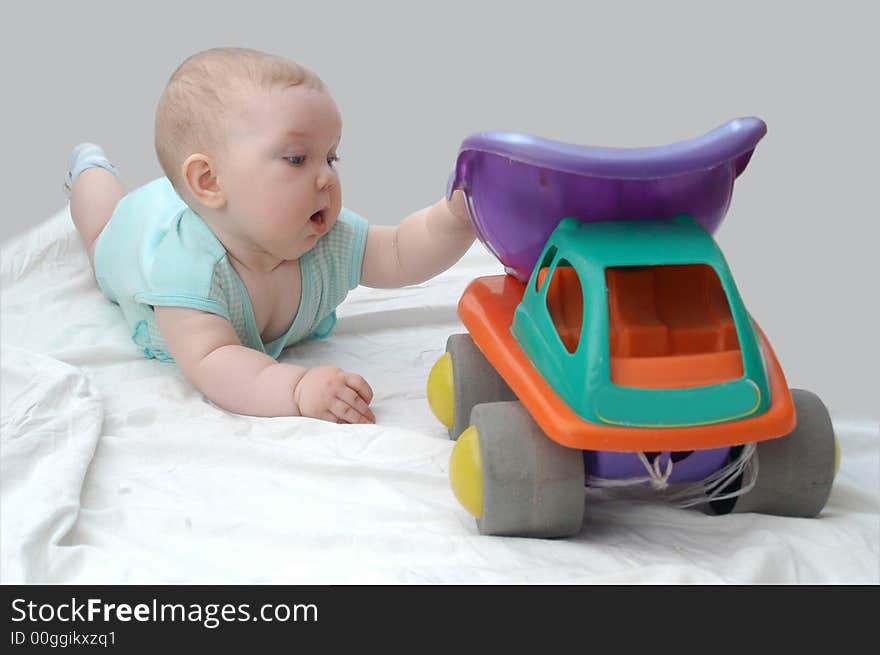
413,79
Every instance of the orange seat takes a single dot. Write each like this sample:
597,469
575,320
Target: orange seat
670,327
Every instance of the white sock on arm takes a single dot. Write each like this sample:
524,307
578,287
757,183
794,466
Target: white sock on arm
82,157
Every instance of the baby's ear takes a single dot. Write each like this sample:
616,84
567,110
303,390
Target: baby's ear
200,177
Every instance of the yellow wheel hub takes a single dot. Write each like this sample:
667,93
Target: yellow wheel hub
440,391
466,472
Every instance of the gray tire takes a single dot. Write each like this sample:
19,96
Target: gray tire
474,381
795,472
532,486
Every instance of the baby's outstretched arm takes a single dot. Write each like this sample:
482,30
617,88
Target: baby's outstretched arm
424,244
245,381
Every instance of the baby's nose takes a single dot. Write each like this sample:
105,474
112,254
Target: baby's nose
326,178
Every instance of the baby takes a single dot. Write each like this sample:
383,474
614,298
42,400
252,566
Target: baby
244,247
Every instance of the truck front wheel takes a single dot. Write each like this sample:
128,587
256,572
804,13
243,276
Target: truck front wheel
514,479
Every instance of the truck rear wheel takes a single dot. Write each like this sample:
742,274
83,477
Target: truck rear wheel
473,381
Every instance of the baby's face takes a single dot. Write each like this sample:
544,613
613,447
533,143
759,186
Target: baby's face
277,170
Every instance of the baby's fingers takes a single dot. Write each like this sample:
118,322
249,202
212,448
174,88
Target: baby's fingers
362,406
348,414
356,382
352,398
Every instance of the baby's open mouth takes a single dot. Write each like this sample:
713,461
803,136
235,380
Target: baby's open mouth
318,221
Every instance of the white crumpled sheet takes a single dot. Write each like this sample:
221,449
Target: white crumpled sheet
116,470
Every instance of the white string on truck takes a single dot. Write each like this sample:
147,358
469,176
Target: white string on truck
702,491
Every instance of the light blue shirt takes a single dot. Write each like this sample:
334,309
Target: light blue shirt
157,251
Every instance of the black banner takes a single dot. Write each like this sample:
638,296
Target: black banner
138,618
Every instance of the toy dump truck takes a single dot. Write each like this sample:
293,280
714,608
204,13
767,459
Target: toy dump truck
616,350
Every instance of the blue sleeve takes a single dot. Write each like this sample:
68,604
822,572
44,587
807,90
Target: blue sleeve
333,268
346,243
359,227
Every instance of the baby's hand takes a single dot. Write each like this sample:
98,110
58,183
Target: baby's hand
457,205
333,395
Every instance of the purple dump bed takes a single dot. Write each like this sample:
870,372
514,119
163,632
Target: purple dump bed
519,187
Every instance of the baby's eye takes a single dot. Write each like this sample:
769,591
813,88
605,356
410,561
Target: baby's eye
332,160
296,161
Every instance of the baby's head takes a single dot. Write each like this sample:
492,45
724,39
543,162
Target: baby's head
249,141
